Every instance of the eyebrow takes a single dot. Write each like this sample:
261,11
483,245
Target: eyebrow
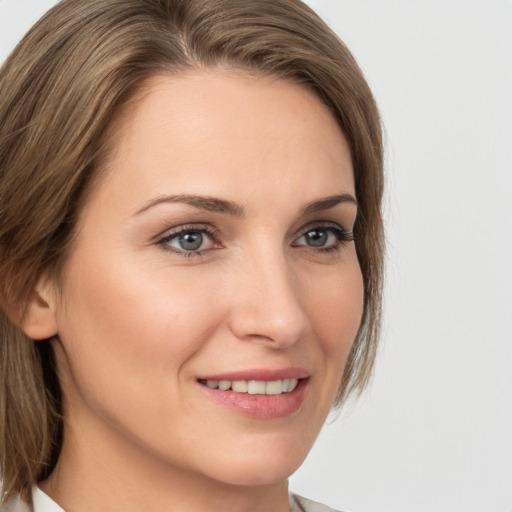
327,203
214,204
211,204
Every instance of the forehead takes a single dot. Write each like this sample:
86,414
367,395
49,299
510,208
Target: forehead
205,129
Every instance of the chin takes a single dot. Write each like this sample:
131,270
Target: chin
261,467
267,474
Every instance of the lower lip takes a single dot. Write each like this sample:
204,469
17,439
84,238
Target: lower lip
261,406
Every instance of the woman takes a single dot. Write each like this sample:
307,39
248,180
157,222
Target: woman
191,252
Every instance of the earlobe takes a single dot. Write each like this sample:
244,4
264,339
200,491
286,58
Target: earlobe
39,321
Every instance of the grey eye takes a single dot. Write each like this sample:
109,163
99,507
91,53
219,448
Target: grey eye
324,237
190,241
316,237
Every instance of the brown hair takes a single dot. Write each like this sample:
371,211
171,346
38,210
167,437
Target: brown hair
59,91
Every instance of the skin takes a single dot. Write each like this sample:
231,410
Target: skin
138,321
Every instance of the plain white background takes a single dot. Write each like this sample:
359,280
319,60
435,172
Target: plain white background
434,431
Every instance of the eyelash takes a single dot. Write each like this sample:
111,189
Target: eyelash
183,230
342,236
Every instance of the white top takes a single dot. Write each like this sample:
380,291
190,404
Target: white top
43,503
300,504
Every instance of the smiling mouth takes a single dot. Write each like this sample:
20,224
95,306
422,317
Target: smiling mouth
253,387
259,394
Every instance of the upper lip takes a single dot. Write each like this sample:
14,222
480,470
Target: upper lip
265,374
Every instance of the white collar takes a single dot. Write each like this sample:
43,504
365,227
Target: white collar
43,503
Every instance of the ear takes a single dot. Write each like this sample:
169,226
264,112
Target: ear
40,322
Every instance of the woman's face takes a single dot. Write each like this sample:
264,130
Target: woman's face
213,291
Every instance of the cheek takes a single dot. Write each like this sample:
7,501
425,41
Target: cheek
127,340
336,309
124,327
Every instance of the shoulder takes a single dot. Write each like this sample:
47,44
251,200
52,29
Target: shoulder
300,504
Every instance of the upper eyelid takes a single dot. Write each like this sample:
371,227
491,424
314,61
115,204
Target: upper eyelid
183,228
322,224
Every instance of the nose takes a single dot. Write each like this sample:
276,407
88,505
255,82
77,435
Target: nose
266,302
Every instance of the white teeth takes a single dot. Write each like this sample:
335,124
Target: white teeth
224,385
240,386
254,387
274,387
